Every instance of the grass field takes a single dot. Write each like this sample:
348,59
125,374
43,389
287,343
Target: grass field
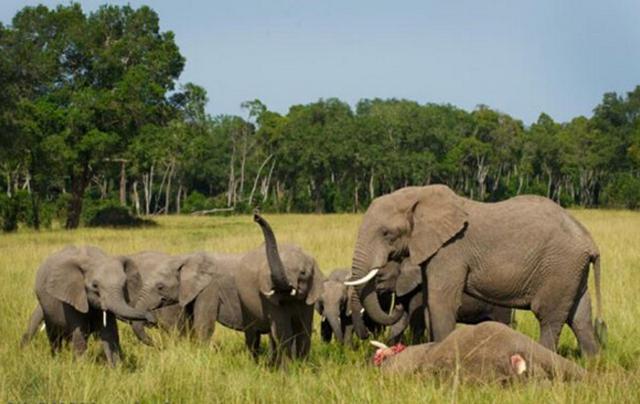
183,371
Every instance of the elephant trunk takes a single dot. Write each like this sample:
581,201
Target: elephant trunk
333,317
278,276
360,268
357,312
116,304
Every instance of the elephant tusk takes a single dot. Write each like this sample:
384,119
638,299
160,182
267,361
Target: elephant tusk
104,318
362,311
393,303
364,279
324,318
293,292
378,344
270,293
42,327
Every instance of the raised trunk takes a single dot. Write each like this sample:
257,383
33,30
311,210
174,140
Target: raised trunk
278,275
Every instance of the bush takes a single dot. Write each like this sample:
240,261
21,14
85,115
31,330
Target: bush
623,192
195,202
109,213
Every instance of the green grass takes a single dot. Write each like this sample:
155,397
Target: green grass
222,370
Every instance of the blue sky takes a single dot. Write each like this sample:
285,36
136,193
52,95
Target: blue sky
521,57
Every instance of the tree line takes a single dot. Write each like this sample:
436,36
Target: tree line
92,114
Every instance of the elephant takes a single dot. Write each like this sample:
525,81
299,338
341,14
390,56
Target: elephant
152,285
341,314
278,288
404,279
269,290
489,351
81,291
525,252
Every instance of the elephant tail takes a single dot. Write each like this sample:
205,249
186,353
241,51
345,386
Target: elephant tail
600,325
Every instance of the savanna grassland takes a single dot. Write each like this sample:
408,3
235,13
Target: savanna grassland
180,370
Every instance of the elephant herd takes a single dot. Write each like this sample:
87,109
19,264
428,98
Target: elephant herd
425,259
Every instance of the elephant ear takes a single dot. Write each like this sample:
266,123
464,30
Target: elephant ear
65,282
436,217
409,278
134,280
317,285
195,274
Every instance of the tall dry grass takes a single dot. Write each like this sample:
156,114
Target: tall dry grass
184,371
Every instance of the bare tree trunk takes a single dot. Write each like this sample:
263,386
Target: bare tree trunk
255,182
167,195
371,187
123,183
265,190
136,197
232,178
178,197
147,182
164,179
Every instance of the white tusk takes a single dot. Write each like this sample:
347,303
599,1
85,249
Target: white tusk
42,327
364,279
378,344
270,293
104,318
293,292
324,318
362,310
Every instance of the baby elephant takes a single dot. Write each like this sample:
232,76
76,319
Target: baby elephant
80,292
489,351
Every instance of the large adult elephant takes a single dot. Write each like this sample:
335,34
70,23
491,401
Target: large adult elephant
81,291
526,252
405,281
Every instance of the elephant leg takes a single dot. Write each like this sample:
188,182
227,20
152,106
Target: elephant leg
582,325
37,318
78,341
111,340
348,333
326,332
445,285
397,329
302,327
205,313
252,341
55,338
282,334
416,319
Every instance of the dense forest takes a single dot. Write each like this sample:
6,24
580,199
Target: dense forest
92,114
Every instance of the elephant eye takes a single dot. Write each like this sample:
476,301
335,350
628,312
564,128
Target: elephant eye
161,286
94,285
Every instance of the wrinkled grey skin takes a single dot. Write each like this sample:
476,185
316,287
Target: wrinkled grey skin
333,305
278,287
483,353
405,280
249,292
152,284
74,287
526,252
189,292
